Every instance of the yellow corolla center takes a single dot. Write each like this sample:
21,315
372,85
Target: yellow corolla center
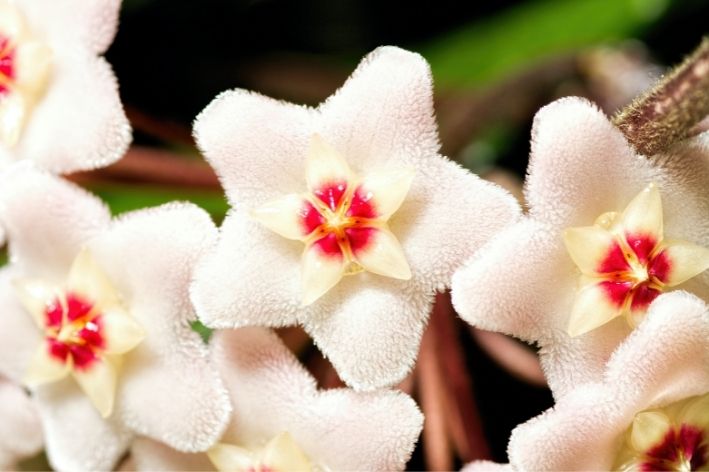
675,437
280,454
626,262
25,64
342,220
85,328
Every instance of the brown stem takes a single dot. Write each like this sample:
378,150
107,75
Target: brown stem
144,164
511,355
168,131
671,109
463,419
436,446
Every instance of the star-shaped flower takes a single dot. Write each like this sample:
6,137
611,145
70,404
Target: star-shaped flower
96,321
607,231
20,428
282,422
650,412
385,219
59,103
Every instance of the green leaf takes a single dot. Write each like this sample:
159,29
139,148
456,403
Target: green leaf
488,50
126,197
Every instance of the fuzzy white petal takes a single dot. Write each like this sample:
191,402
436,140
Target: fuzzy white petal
19,336
97,444
74,23
169,389
152,455
20,428
341,429
516,282
47,220
580,165
662,361
370,329
435,222
241,130
79,123
486,466
384,112
234,285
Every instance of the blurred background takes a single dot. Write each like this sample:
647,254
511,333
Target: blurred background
494,64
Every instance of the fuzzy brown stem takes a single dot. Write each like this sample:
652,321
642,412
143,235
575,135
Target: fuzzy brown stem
669,112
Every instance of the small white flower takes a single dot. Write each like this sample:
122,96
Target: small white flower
650,411
96,321
346,219
282,422
20,428
59,103
607,232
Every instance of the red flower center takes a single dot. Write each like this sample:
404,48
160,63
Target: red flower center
681,447
340,220
74,330
7,64
635,270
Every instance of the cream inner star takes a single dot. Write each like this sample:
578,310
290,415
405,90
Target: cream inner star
675,437
342,220
25,65
626,262
85,331
280,454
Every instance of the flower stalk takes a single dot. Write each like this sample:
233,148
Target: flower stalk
669,112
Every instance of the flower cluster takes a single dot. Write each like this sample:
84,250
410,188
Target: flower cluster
612,286
346,220
336,225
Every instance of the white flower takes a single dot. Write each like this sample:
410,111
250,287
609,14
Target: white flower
650,411
20,428
59,103
282,422
346,219
607,232
96,319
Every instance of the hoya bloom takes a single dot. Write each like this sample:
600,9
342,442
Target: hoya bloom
96,321
650,411
346,218
20,428
282,422
59,103
607,232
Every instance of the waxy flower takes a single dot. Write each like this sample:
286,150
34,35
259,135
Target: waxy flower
346,219
607,232
626,263
650,412
282,422
59,103
96,321
20,428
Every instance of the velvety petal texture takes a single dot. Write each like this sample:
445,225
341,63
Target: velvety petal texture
77,122
381,123
273,395
167,387
20,427
524,281
666,359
